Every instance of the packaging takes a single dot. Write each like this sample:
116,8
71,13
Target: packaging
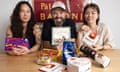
81,64
53,54
88,51
53,67
98,57
44,60
15,42
68,50
103,60
90,38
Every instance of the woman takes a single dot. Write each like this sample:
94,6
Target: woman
23,25
91,16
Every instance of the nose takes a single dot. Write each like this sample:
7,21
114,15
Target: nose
58,15
25,13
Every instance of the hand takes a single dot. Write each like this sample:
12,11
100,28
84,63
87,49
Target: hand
36,30
24,50
60,47
85,28
16,51
97,47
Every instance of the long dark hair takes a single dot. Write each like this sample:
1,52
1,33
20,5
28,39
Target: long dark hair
94,6
16,23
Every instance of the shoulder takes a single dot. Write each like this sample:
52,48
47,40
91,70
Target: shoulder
103,26
9,31
9,28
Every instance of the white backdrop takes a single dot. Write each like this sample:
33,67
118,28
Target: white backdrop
110,14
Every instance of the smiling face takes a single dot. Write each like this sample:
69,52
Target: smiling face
25,13
91,15
59,16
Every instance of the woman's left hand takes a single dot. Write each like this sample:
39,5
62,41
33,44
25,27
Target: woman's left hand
37,31
97,47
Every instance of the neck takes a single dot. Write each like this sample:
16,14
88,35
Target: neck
93,26
24,25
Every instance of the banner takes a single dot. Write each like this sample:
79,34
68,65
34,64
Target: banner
43,9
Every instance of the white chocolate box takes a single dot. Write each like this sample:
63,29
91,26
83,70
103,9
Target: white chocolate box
75,64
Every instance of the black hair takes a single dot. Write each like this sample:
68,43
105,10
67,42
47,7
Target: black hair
94,6
16,23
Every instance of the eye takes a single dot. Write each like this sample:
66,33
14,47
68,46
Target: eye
94,12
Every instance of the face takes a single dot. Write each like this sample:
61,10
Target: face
58,16
25,13
91,15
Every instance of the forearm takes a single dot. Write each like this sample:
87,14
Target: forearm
34,48
107,46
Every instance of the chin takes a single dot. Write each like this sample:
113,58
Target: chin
90,22
25,21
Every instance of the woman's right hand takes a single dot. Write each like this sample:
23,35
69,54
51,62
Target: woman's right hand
15,51
85,28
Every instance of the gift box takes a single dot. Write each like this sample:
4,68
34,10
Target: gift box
75,64
90,38
15,42
53,67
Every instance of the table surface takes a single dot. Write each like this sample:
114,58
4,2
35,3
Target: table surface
27,63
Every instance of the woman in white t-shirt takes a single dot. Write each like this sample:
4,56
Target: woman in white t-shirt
91,15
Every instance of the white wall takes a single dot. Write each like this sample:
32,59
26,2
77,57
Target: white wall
110,14
6,7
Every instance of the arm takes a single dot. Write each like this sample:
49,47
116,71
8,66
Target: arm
73,31
79,39
37,34
108,40
8,32
14,51
106,36
46,34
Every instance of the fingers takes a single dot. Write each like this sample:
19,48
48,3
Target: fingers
85,28
97,47
36,30
16,51
21,50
